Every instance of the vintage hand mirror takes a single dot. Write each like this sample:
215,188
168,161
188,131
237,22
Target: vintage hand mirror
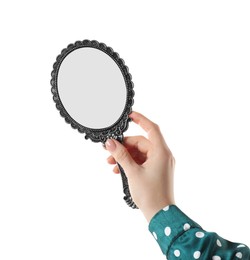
93,91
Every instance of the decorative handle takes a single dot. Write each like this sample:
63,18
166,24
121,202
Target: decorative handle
126,190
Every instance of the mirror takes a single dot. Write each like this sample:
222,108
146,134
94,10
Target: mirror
93,90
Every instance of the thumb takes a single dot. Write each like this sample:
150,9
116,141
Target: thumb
120,153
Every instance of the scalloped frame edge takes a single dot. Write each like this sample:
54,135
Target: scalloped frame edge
121,125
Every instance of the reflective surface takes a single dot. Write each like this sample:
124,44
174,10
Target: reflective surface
91,88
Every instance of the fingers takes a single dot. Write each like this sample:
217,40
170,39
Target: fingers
111,160
137,146
152,129
121,155
116,169
139,143
137,156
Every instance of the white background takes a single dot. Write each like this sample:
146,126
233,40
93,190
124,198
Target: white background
190,65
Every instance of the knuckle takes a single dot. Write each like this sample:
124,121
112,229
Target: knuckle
171,159
156,126
167,155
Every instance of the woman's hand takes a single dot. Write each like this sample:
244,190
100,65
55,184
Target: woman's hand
148,164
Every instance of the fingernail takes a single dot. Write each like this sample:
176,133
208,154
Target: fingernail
110,145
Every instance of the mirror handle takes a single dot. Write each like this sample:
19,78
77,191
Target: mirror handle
125,185
126,190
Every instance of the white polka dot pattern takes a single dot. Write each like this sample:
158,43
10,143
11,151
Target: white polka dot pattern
186,227
216,257
167,231
199,234
241,245
177,253
166,208
197,254
239,255
218,243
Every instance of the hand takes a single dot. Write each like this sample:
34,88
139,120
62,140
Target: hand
148,164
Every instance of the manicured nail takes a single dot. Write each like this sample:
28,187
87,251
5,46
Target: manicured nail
110,145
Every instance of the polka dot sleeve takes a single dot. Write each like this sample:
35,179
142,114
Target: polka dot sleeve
179,237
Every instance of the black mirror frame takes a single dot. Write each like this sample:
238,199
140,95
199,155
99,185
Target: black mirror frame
121,125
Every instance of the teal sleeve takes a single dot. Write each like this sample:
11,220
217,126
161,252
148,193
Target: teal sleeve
181,238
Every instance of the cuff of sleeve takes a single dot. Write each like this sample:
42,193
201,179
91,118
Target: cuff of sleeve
168,224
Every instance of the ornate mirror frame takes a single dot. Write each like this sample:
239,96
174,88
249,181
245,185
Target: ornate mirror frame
121,125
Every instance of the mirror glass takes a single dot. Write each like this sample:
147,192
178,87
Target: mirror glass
92,88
